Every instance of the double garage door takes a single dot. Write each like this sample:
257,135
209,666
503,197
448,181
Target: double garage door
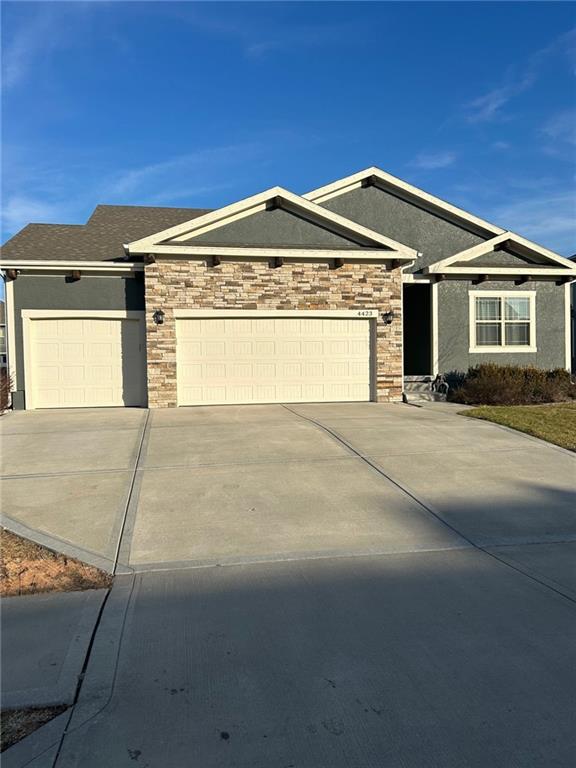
222,360
76,362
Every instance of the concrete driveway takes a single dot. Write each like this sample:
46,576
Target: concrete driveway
233,484
398,588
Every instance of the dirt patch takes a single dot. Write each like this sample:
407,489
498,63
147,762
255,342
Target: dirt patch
27,568
16,724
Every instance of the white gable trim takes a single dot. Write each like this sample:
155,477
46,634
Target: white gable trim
534,272
29,265
388,182
253,253
487,247
181,234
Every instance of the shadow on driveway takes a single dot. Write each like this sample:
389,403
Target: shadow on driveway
428,659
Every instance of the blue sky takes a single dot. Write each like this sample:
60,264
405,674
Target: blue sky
200,104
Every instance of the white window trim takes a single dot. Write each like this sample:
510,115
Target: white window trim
510,349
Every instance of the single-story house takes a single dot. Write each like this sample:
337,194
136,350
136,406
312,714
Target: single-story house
340,294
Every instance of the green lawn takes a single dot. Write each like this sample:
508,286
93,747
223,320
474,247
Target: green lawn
555,423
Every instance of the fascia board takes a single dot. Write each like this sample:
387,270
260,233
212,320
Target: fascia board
188,230
488,246
87,266
534,271
392,182
305,254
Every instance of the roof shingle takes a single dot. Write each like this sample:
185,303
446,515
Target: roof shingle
100,239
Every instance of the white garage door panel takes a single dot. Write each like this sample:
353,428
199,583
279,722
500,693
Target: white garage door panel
268,360
86,362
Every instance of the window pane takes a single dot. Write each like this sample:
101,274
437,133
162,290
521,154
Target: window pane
487,309
518,333
488,334
517,309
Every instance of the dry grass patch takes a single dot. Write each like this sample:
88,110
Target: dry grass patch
16,724
27,568
555,423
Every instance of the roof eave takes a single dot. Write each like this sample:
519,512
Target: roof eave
256,253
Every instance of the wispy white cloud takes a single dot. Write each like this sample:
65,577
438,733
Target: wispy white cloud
434,160
188,195
170,179
485,107
67,185
531,182
548,218
260,49
18,210
501,146
258,39
28,43
562,127
48,28
489,106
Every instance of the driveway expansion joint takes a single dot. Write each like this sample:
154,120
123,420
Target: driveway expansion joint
122,556
70,473
544,582
249,463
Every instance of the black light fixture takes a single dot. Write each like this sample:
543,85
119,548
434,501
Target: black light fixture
158,317
387,317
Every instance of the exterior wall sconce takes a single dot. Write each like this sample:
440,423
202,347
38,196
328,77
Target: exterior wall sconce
158,317
387,317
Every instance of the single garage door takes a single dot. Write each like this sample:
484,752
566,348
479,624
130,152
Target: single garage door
85,362
272,360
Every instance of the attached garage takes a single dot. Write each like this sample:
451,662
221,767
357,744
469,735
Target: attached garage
83,359
243,357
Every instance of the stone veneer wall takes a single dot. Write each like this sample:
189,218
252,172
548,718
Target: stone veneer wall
182,284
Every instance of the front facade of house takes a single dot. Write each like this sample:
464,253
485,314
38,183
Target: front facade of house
337,295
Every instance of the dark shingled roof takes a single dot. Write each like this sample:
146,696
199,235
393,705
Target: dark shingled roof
100,239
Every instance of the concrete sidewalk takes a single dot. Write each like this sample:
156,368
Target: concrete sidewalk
429,659
44,643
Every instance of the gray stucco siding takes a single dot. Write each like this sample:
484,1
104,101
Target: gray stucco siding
89,293
454,325
275,228
435,237
503,259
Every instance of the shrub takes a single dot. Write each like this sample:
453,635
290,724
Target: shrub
492,384
5,389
